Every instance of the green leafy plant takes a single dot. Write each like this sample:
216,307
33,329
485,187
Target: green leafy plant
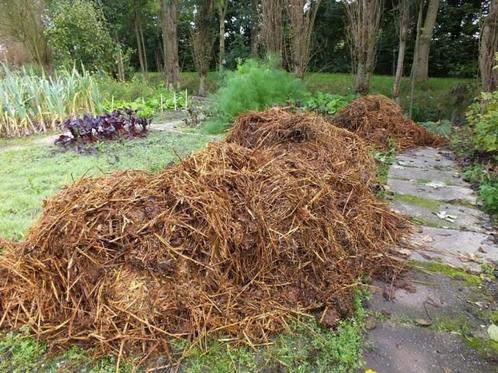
325,103
442,127
483,117
252,86
488,194
476,174
384,160
148,107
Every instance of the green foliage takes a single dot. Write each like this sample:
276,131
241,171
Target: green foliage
483,116
488,195
308,347
130,90
31,102
253,86
147,108
79,36
476,174
384,161
442,128
21,353
325,103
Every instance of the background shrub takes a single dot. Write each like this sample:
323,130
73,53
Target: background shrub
252,86
488,195
483,117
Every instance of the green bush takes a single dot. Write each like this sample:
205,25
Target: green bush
483,117
79,36
476,174
252,86
488,194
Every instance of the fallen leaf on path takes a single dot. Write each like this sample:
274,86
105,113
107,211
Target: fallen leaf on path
493,332
444,216
427,238
435,184
405,252
467,257
423,322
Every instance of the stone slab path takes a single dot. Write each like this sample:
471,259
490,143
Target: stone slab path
435,319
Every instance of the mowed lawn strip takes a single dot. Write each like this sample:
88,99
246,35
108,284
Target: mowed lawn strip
31,173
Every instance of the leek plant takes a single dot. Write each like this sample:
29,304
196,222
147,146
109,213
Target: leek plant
32,102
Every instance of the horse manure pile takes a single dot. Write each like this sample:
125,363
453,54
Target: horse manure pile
380,121
235,240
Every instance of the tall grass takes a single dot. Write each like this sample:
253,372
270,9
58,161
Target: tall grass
32,102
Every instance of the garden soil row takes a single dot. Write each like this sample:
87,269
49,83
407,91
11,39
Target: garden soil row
237,239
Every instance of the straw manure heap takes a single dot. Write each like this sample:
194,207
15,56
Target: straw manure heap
238,238
380,121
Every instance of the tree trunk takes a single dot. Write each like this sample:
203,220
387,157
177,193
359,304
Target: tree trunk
144,52
202,85
362,31
121,72
404,20
170,43
415,54
203,37
488,48
420,67
222,10
254,28
273,28
362,79
139,46
302,14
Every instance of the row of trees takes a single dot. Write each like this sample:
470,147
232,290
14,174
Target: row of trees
168,34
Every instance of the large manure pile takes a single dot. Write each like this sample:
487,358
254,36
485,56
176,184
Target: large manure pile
380,122
237,239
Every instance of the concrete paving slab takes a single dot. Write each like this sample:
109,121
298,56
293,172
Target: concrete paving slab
462,249
466,218
394,348
439,193
433,297
425,175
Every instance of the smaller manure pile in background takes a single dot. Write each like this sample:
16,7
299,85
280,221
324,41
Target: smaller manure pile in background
380,122
237,239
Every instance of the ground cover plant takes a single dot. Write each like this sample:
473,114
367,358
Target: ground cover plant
161,101
164,233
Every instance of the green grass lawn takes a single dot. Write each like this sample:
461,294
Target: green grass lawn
32,173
